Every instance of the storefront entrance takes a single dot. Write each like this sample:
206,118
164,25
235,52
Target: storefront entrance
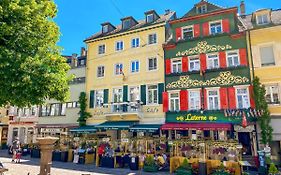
245,140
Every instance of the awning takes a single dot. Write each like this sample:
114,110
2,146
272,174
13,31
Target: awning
84,129
116,125
197,126
145,128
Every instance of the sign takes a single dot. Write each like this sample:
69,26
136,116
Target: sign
106,139
52,130
152,110
194,117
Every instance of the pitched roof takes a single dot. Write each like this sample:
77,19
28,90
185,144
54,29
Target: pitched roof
141,23
249,23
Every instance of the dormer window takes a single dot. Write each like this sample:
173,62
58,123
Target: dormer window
105,29
262,19
126,24
202,9
149,18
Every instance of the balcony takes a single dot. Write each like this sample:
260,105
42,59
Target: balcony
123,109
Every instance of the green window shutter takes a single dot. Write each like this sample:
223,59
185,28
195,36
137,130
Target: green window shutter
160,91
105,96
125,93
143,94
92,98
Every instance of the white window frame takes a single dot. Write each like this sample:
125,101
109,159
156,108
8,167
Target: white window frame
178,68
271,93
213,65
147,95
116,46
186,27
133,42
148,64
131,66
105,27
248,95
148,15
218,95
119,72
227,56
95,100
262,21
189,98
99,49
98,71
197,9
212,22
155,39
129,93
191,59
274,56
170,93
120,93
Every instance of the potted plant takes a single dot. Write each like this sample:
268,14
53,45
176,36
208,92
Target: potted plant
273,170
184,169
221,171
149,164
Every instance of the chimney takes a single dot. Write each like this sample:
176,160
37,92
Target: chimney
167,11
74,60
242,8
83,51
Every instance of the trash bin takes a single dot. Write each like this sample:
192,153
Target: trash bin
134,163
81,153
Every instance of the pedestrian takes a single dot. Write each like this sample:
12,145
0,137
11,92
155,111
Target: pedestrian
18,153
15,147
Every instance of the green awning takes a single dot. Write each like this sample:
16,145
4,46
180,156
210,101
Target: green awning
84,129
116,125
145,128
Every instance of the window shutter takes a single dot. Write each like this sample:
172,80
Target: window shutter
203,63
105,96
185,64
125,93
223,98
205,105
243,57
225,26
178,34
92,98
168,66
222,57
252,99
205,28
160,91
183,100
196,29
232,98
143,94
165,102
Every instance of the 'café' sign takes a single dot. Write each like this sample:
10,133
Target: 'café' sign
190,117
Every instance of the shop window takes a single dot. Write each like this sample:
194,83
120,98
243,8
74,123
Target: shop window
134,94
134,66
272,94
100,71
215,28
187,32
101,49
232,59
152,91
213,61
99,96
174,101
213,99
152,64
194,64
119,45
135,42
267,56
194,100
118,69
243,100
152,38
176,66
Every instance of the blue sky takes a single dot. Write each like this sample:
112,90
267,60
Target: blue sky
79,19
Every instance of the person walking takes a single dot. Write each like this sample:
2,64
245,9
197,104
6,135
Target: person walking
15,147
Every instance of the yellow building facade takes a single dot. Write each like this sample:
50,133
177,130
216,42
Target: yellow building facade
125,72
264,41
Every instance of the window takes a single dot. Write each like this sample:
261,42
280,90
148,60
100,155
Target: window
242,98
152,91
73,104
135,42
45,110
105,29
272,94
215,28
100,71
187,32
262,19
213,100
117,98
232,59
213,61
134,66
152,38
202,9
134,94
119,45
63,108
127,24
176,66
149,18
55,109
152,63
174,101
98,98
78,80
267,56
101,49
118,69
194,100
194,64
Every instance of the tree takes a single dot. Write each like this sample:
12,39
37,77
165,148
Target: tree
31,66
83,105
261,104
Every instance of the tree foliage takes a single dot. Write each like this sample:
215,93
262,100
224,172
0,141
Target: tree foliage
31,67
83,105
261,104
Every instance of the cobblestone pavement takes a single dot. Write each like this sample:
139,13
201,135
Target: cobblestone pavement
31,166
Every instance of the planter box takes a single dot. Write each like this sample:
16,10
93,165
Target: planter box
89,158
70,155
150,168
64,156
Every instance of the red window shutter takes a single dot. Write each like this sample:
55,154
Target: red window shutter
183,100
205,28
184,64
196,29
168,66
225,26
178,34
165,102
222,57
223,98
252,99
243,57
205,105
203,63
232,98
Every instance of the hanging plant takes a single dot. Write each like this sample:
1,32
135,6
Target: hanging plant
83,114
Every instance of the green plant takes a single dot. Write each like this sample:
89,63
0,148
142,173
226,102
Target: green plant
272,169
185,165
83,114
149,164
184,169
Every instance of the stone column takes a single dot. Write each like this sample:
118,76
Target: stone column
46,145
